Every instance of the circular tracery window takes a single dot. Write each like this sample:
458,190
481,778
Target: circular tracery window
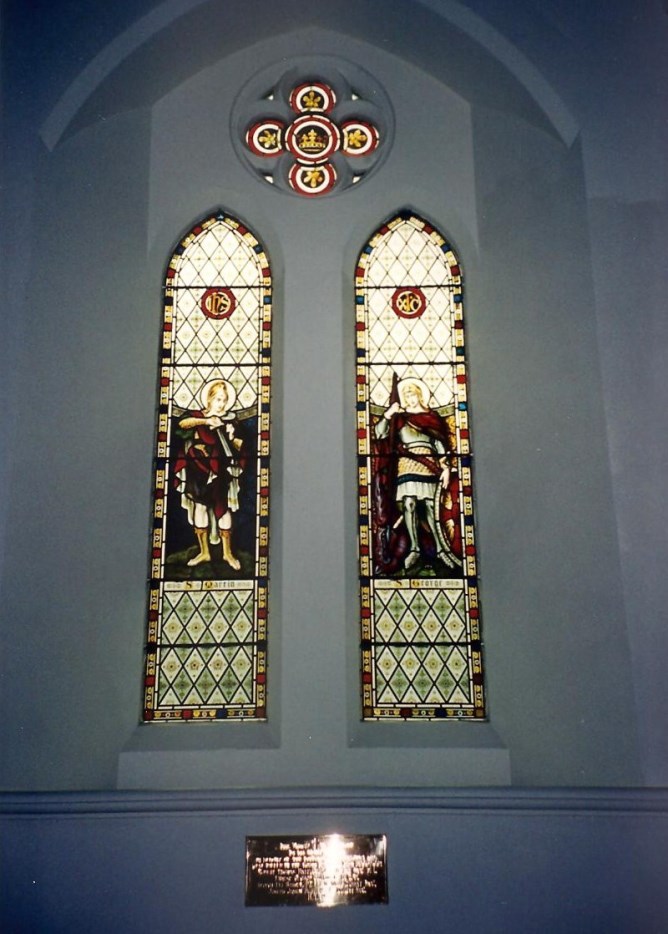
316,129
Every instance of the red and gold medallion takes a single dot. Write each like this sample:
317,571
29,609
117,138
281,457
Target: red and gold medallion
408,302
312,138
359,138
311,180
218,302
313,97
266,138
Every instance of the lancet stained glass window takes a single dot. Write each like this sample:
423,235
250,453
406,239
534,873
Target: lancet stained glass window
206,645
420,615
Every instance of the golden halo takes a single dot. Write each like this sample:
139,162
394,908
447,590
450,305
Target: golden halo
229,388
413,381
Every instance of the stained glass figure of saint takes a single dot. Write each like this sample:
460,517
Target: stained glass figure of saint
208,471
421,649
214,474
206,647
413,480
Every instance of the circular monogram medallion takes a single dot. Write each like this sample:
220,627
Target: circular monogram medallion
218,303
408,303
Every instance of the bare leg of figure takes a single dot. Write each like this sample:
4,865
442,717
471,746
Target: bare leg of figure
203,542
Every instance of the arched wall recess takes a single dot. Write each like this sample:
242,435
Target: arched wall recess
511,305
481,62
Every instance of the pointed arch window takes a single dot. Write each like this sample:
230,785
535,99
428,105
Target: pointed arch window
420,617
207,615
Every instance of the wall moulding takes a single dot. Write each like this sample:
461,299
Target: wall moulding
613,801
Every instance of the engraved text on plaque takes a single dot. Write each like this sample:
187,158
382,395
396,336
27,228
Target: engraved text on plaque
334,869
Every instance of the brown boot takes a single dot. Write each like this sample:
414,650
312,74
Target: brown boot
203,542
226,538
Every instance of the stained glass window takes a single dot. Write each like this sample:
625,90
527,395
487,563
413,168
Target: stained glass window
420,614
207,615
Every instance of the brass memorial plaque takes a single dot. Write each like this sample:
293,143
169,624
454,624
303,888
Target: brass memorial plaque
334,869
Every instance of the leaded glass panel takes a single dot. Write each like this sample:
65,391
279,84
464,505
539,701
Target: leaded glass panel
421,648
207,616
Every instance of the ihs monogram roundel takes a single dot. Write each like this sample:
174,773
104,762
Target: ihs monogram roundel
218,302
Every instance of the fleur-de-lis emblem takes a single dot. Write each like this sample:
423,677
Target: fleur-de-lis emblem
355,138
312,101
313,177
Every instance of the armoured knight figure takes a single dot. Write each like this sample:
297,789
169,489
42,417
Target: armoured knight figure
419,438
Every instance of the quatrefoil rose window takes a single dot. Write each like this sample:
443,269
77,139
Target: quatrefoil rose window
313,137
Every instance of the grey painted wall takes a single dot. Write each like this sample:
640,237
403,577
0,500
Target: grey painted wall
535,137
567,864
509,176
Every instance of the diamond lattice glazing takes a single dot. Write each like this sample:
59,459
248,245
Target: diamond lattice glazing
206,643
421,648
